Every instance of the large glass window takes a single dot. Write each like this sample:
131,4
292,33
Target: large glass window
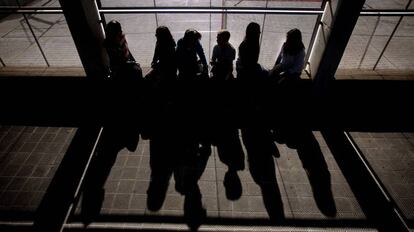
385,4
380,43
274,34
18,45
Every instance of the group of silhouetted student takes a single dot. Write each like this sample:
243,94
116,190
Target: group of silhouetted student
167,146
187,56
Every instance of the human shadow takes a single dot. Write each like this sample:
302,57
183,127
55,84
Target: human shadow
260,152
195,161
176,153
163,162
230,152
114,139
313,161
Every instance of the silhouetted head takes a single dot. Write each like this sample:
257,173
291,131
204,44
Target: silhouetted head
252,31
113,29
163,35
190,36
294,43
223,37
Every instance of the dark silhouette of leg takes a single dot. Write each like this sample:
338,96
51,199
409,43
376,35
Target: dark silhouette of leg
259,148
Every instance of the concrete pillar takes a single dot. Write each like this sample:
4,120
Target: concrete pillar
335,29
88,34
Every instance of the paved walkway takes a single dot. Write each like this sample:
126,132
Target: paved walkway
29,157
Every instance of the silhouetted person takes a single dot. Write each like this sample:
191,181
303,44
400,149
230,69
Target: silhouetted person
160,79
187,55
164,63
286,72
226,138
122,64
201,55
191,94
290,61
247,65
222,58
249,72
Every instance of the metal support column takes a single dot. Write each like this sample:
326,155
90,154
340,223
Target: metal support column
156,15
340,17
87,32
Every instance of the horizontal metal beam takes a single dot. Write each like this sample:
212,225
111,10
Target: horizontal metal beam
214,10
170,10
201,10
387,13
29,11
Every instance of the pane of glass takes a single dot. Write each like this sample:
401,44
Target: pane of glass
19,48
400,50
237,23
31,3
238,3
297,4
385,4
57,43
17,45
274,34
353,57
126,3
186,3
43,3
215,3
178,23
140,36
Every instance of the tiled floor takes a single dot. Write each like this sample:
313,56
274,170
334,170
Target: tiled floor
29,157
126,188
392,157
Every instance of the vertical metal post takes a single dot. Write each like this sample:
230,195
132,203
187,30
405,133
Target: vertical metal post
313,36
209,40
34,36
223,16
103,20
369,42
263,24
156,15
391,36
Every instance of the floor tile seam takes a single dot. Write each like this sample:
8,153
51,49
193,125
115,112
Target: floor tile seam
214,151
410,141
283,185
